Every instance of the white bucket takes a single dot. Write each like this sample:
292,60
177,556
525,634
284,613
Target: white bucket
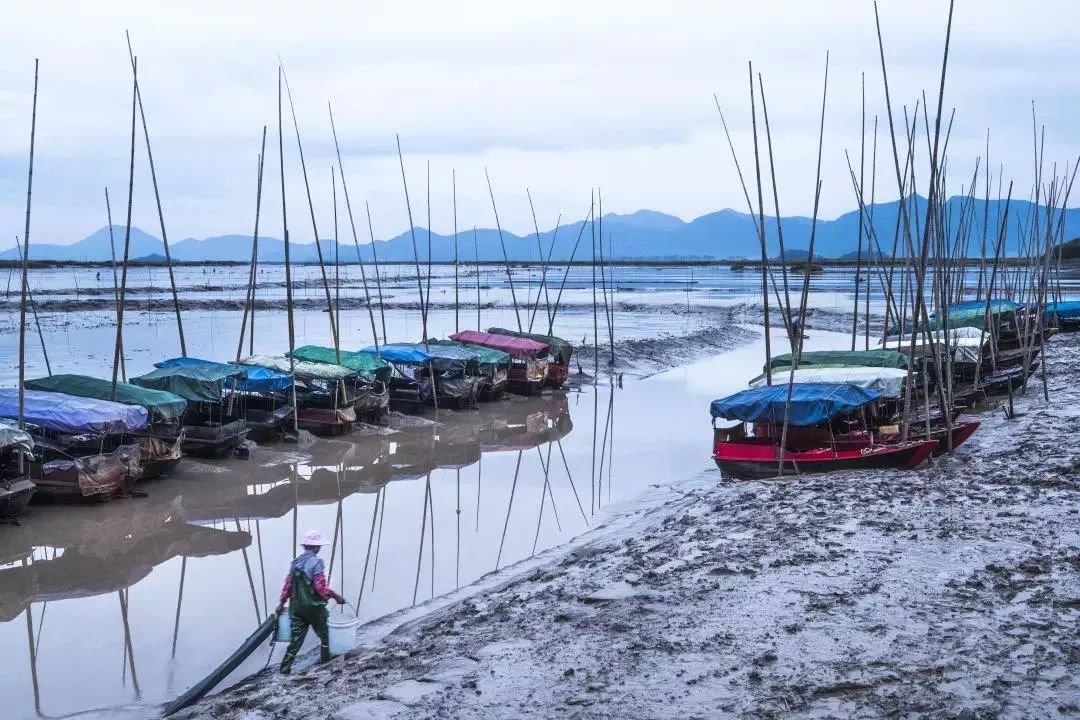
284,628
342,632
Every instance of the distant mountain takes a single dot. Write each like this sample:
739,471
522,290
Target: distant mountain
645,234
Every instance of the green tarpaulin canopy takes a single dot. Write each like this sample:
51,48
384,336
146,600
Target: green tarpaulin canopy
363,364
845,358
488,356
197,383
560,349
162,405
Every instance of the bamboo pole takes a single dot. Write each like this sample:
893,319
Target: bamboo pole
862,184
566,274
543,276
314,226
33,309
476,259
356,241
457,299
506,258
118,348
157,200
416,250
761,240
509,505
26,259
543,265
116,279
796,352
288,264
375,261
249,302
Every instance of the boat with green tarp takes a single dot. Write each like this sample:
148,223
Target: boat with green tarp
370,389
215,423
161,445
262,394
325,393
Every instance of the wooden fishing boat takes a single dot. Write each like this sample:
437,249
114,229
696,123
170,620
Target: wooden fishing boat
84,449
494,368
802,406
368,390
559,352
325,393
879,434
160,445
755,458
214,425
262,394
426,374
16,488
528,371
1064,315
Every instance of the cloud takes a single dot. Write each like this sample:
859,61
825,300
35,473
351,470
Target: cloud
559,97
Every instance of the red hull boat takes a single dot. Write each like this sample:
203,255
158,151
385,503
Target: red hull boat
754,458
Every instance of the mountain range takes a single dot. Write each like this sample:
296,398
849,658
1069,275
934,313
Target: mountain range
643,235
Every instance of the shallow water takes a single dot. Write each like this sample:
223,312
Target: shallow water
112,589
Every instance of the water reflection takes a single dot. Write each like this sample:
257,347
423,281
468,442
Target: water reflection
395,502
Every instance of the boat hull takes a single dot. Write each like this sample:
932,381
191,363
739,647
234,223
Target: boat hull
752,460
14,498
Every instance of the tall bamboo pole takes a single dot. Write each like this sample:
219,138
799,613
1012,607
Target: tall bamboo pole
118,348
416,250
157,199
116,279
356,240
862,184
314,225
26,257
249,302
288,264
506,258
457,299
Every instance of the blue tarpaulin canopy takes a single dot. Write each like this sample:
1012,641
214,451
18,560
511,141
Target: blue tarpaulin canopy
405,353
71,414
1068,309
811,403
258,379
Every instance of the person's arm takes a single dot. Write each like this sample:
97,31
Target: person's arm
286,591
318,580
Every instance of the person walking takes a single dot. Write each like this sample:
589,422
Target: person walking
307,592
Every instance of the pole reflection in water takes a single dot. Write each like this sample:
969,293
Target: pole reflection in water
175,545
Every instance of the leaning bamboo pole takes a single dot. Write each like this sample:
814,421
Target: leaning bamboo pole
33,309
506,258
118,347
116,279
314,225
160,212
858,252
796,351
356,240
26,261
249,301
416,250
288,264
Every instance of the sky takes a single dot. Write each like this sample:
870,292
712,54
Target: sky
554,98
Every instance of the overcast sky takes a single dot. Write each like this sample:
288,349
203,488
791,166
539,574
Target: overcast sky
558,97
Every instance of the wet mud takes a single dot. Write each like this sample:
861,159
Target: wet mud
948,592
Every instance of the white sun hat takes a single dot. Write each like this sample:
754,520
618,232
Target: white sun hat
313,537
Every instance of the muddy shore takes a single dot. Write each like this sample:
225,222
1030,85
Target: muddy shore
951,591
